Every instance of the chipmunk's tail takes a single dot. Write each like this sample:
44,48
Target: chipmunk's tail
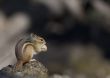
19,65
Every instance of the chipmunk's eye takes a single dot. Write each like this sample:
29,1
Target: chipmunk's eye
41,39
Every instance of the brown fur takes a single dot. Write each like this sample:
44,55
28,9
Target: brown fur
26,47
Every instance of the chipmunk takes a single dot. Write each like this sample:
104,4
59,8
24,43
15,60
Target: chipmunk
27,47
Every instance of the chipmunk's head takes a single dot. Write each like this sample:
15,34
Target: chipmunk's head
39,43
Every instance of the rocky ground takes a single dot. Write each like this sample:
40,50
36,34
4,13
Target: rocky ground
33,69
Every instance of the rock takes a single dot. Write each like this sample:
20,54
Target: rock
60,76
33,69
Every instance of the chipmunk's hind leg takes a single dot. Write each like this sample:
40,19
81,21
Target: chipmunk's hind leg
33,60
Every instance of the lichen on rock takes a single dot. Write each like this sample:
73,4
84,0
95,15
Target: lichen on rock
33,69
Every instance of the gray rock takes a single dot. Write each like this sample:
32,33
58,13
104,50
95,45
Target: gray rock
33,69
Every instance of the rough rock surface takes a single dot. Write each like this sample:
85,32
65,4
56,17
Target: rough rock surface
33,69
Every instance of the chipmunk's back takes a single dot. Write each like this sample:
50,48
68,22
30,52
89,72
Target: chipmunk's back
19,48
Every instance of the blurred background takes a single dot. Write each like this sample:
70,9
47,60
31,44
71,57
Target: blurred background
77,34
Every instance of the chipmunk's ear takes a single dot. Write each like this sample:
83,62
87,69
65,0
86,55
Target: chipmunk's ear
33,35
